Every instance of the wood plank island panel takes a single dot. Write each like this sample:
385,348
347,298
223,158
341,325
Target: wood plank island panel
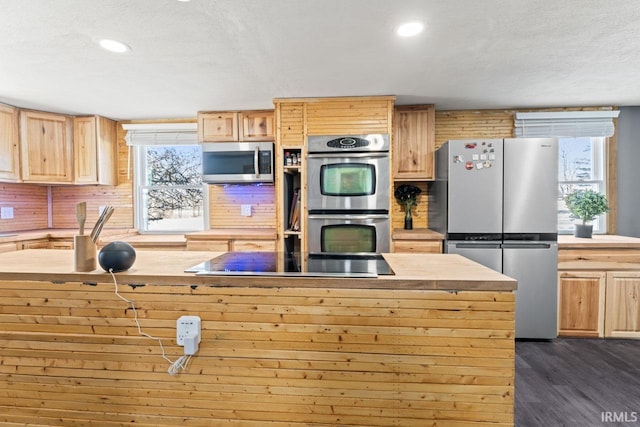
269,356
225,202
29,203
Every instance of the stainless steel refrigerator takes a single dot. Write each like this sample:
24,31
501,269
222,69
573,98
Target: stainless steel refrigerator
495,200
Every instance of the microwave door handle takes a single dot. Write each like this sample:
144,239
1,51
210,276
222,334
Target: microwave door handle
256,167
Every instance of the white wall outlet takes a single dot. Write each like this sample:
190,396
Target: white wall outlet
187,326
245,210
6,212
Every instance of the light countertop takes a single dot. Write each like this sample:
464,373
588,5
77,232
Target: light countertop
416,234
413,271
600,241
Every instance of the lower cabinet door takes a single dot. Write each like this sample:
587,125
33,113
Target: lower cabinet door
623,305
581,303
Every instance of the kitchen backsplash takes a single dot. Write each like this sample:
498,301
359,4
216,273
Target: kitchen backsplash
29,203
225,202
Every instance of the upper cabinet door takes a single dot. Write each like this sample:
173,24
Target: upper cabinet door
414,143
9,144
95,149
47,147
256,125
85,145
218,127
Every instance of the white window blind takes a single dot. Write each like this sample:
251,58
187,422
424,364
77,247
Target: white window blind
161,134
565,124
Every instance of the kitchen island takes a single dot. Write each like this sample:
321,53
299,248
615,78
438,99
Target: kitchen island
432,345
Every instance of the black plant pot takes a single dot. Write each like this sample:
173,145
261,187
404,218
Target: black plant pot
583,230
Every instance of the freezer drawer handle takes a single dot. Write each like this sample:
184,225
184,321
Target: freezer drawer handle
526,246
478,245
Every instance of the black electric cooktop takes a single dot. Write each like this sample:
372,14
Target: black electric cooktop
287,264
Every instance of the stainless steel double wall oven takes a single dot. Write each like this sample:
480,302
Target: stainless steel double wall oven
348,194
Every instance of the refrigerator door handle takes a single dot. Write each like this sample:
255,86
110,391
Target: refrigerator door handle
526,245
478,245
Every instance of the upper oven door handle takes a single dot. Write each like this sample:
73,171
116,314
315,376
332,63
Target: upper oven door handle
349,155
348,216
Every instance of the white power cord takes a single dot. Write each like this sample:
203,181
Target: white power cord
176,366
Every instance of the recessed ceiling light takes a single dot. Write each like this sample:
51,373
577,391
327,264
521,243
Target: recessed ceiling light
410,29
114,46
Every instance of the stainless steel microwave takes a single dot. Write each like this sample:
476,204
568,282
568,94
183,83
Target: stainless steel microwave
237,162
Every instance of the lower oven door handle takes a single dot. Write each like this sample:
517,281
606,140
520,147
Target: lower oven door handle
348,155
348,216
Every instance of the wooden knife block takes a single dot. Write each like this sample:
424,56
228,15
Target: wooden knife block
84,253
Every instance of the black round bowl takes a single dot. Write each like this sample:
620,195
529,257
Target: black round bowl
117,256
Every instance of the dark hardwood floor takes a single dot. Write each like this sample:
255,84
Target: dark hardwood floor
577,382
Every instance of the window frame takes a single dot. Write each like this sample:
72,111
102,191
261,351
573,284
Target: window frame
139,186
599,158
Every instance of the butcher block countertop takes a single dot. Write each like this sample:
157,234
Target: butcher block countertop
58,233
234,233
166,241
598,241
416,234
413,271
602,252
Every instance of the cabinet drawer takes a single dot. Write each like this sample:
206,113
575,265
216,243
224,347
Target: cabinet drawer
252,245
8,247
35,244
60,245
432,246
208,245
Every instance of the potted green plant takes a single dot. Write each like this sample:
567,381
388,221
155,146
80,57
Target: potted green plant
407,196
586,205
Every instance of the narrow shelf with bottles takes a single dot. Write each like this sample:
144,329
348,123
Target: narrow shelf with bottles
293,199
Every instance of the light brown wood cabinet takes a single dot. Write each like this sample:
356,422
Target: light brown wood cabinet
226,126
412,246
414,143
599,286
95,149
46,146
622,318
9,144
217,126
581,303
226,245
256,125
35,244
8,247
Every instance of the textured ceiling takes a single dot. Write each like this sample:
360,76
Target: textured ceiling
240,54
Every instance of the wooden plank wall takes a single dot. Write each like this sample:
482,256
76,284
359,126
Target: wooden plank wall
29,204
418,213
71,355
290,124
362,115
225,202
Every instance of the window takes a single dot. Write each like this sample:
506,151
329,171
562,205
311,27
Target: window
170,195
581,165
